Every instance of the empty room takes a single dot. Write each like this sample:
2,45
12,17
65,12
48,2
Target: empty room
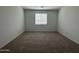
39,29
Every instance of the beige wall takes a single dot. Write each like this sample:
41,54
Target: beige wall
11,23
68,23
52,17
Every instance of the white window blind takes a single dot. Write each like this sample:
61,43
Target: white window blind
40,18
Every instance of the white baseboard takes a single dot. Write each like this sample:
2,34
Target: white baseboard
10,40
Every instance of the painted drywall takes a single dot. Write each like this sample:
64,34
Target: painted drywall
11,23
68,23
52,17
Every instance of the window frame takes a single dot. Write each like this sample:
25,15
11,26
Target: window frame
41,24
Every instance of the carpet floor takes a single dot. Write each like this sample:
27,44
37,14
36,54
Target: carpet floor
41,42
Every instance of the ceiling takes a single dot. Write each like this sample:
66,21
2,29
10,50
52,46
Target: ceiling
42,7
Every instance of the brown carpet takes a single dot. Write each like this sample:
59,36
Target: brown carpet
41,42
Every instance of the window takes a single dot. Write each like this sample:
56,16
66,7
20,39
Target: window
40,18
